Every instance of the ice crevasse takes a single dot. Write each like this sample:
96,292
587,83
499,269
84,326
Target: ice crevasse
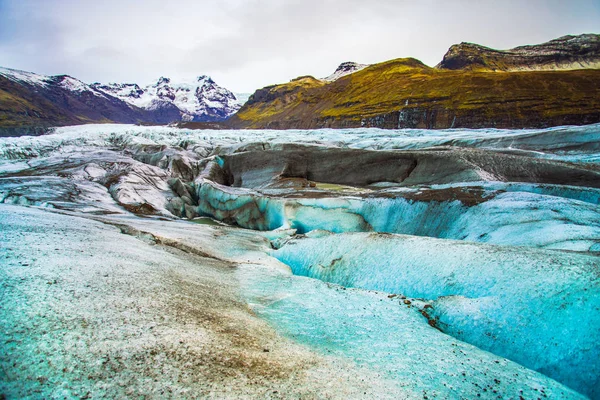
518,218
540,308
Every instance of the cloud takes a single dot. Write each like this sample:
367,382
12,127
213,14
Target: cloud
245,44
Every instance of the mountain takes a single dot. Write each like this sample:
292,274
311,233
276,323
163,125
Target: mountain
30,103
539,88
564,53
201,100
345,68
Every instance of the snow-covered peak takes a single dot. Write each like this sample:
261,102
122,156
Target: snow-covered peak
24,76
120,89
197,99
75,85
65,82
162,81
203,78
345,68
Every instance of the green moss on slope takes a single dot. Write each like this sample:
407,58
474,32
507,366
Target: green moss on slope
407,93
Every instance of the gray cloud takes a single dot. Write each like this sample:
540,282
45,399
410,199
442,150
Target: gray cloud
245,44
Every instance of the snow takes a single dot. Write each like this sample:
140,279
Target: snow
65,81
119,91
194,98
344,69
24,76
75,85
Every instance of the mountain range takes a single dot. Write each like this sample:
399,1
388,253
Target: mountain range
200,100
549,84
554,83
30,102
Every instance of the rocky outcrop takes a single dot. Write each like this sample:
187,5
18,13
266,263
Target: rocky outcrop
550,84
345,68
564,53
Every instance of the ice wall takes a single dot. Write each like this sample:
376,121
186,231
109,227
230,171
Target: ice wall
508,218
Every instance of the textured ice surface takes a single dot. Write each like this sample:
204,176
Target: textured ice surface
539,308
577,143
387,336
90,312
119,315
511,218
534,306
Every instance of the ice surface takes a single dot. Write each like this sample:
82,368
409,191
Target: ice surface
539,308
387,336
511,218
117,315
577,143
534,299
88,311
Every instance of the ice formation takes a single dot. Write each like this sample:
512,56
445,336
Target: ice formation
490,236
525,305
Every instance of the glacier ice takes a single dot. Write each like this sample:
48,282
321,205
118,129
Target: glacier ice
540,308
385,335
510,218
491,236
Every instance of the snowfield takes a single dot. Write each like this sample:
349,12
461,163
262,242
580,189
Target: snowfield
363,263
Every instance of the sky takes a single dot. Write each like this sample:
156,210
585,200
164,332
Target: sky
248,44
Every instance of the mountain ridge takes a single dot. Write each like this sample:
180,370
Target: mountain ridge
30,103
405,93
200,100
564,53
549,84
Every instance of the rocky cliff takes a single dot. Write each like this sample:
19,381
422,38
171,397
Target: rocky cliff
565,53
536,87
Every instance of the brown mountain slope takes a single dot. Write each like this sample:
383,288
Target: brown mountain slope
405,93
27,108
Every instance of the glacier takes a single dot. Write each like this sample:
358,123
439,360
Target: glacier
451,264
526,305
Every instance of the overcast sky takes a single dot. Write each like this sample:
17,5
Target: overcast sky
248,44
